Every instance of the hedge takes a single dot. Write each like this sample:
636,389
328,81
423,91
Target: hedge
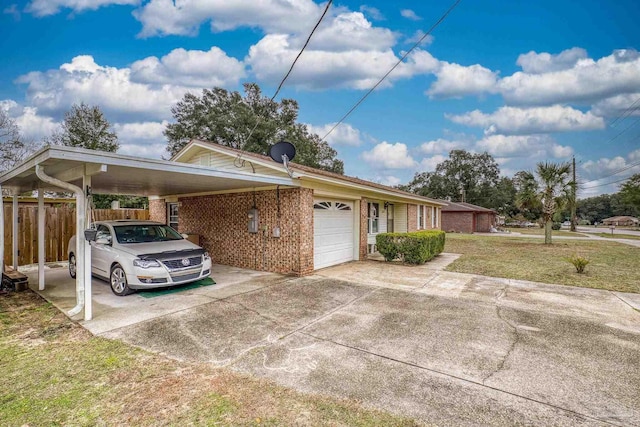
413,248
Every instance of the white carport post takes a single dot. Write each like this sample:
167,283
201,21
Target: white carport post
41,257
1,233
80,240
88,305
14,233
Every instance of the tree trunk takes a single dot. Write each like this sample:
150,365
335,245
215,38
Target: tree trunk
547,231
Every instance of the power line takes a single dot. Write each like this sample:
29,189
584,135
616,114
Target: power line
306,43
615,172
424,36
284,79
626,112
606,183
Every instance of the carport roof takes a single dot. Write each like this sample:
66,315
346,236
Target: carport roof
114,173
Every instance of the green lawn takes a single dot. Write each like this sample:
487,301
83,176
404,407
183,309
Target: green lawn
613,266
54,373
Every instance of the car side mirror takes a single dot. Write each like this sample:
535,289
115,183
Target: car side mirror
104,240
184,236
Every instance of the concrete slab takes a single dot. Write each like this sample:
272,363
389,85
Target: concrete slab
323,367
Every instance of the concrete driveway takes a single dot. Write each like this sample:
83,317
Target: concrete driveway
445,348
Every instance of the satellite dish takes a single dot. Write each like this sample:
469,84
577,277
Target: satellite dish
282,152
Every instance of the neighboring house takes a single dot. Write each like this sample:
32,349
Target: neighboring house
467,218
621,221
327,219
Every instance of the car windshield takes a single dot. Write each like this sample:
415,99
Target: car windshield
145,233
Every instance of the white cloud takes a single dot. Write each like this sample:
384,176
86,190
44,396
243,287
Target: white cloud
539,63
189,68
390,180
410,14
317,69
586,82
140,131
561,151
429,164
418,35
166,17
626,105
34,127
51,7
372,12
531,146
599,176
345,134
389,156
439,146
12,10
518,121
454,81
345,32
111,88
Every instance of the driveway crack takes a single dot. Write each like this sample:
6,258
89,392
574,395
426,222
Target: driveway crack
516,336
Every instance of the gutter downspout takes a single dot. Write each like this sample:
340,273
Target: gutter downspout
80,240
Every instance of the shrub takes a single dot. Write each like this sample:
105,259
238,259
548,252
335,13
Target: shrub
578,262
556,226
413,248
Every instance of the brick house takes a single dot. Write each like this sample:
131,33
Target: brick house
467,218
628,221
326,219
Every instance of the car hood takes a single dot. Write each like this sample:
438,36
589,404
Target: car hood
156,247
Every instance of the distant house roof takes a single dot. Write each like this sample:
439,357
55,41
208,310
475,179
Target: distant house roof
464,207
622,218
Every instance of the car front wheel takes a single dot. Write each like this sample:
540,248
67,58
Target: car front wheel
118,281
72,266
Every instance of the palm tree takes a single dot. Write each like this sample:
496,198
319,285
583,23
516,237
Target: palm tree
550,191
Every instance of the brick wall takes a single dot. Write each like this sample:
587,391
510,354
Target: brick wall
412,218
363,229
460,222
221,221
158,211
484,222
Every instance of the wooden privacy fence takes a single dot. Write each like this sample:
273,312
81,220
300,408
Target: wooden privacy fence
60,225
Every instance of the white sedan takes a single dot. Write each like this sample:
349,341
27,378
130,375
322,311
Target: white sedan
142,254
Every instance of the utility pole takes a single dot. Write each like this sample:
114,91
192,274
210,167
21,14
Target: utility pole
574,187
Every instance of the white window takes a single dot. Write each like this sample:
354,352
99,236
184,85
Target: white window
372,220
420,217
172,209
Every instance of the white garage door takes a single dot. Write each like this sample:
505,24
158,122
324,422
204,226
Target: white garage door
332,232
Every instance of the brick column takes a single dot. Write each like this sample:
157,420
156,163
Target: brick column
364,214
158,210
305,223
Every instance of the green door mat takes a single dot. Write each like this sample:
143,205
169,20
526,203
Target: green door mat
152,293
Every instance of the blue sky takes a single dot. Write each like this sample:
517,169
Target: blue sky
525,81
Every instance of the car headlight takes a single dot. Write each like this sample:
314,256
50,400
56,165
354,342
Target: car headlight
146,263
206,256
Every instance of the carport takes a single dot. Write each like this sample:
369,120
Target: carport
84,172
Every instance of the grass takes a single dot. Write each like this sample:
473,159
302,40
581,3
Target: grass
55,373
613,266
537,231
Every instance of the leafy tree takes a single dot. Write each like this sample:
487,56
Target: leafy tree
630,191
86,127
473,177
550,191
13,148
251,122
